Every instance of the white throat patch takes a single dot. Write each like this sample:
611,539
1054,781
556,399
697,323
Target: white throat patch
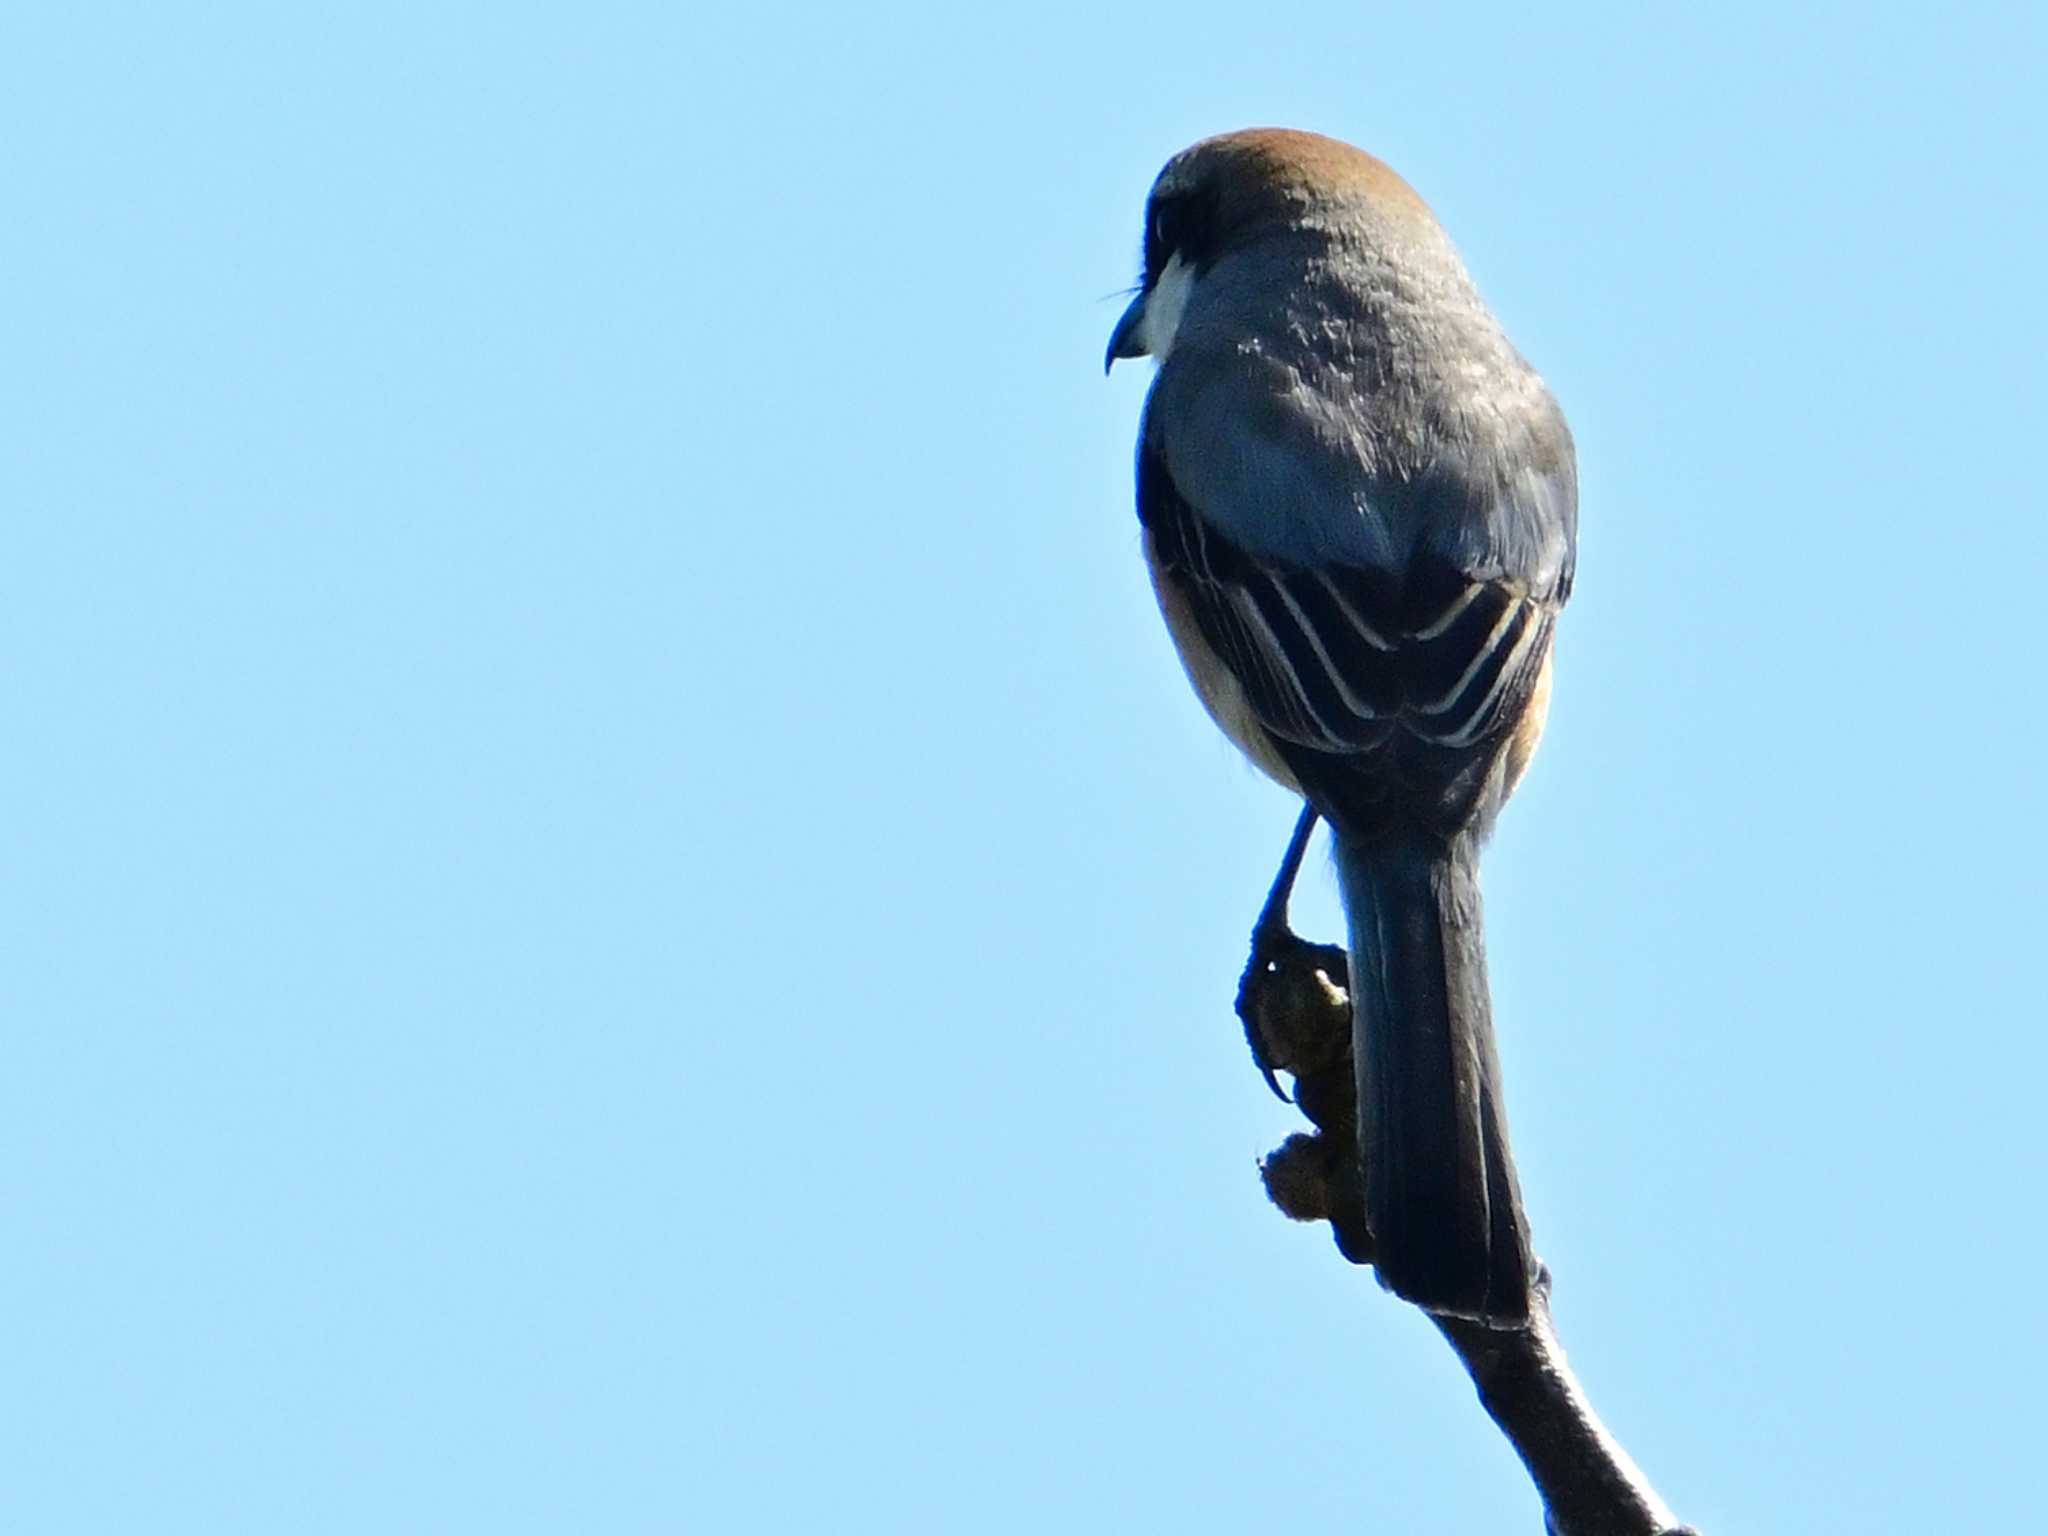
1163,310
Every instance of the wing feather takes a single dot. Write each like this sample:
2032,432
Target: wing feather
1340,660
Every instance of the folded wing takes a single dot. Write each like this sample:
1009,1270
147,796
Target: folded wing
1367,679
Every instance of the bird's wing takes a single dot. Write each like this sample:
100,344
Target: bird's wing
1332,655
1382,577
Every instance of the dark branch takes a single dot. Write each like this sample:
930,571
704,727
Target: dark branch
1297,1017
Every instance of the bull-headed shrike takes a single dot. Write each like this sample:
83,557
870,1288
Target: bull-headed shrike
1360,510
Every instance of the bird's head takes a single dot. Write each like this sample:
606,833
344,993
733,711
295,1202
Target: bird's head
1236,189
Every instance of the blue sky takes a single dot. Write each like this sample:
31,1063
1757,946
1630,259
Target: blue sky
617,916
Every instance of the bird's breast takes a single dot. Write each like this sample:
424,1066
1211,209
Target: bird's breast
1222,695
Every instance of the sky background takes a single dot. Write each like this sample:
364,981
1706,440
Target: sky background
614,914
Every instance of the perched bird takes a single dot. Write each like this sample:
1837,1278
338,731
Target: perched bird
1360,510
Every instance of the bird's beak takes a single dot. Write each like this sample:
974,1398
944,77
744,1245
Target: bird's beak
1124,341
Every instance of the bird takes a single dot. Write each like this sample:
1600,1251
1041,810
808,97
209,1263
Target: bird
1359,509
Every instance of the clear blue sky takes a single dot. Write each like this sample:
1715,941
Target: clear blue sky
616,916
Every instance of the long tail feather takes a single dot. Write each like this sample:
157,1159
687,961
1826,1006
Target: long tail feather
1441,1194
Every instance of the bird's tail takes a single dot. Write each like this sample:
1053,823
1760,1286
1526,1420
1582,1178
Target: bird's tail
1440,1191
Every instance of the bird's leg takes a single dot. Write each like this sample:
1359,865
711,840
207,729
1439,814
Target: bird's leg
1285,1030
1297,1019
1272,923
